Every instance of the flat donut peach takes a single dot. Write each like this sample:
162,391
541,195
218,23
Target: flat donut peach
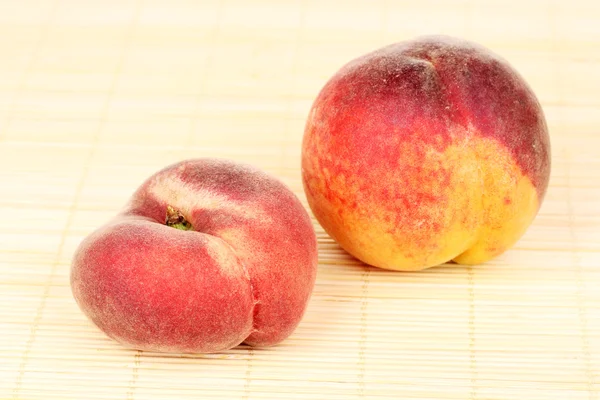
207,254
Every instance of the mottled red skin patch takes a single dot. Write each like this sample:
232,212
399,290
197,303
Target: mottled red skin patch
419,88
201,308
367,103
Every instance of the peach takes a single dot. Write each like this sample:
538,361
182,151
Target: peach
426,151
207,254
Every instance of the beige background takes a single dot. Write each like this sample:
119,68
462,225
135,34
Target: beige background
96,95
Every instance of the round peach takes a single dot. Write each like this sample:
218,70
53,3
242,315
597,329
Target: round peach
426,151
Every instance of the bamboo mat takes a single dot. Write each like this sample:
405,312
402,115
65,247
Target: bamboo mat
95,95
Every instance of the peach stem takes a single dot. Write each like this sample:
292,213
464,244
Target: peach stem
175,219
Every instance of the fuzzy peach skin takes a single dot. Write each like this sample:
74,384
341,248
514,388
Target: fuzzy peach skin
207,254
426,151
